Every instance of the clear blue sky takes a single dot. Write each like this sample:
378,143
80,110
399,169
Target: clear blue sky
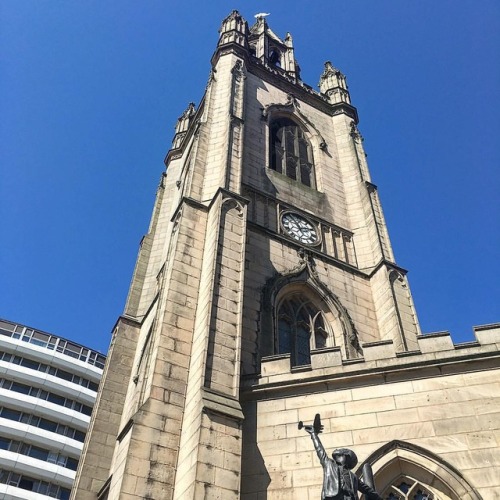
90,92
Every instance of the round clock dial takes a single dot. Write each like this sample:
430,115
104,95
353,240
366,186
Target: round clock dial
299,228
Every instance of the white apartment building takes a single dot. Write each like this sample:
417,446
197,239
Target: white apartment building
48,387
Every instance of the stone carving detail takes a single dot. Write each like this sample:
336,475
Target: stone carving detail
189,112
305,272
211,78
230,203
306,259
293,101
329,70
237,91
163,179
175,225
237,69
396,275
290,106
355,134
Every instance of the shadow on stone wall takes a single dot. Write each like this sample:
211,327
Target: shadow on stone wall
255,478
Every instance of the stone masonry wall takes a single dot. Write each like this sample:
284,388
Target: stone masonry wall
445,399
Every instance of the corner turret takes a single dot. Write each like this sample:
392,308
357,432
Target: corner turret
234,29
182,125
333,85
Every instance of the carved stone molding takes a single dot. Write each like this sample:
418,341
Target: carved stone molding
354,132
305,273
292,107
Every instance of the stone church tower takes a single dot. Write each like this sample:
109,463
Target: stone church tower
265,292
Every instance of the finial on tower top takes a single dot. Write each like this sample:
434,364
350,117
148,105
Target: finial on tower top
261,15
329,67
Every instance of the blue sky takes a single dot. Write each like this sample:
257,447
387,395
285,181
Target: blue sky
90,92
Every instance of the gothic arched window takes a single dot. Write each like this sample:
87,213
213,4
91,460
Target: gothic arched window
291,152
405,471
300,328
407,488
275,58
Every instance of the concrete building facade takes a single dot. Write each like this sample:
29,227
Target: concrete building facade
266,291
48,386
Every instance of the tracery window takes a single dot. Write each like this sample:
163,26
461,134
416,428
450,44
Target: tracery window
408,489
291,152
300,328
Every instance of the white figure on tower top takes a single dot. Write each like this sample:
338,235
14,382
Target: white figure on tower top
260,15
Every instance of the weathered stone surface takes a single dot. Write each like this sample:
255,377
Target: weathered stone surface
200,400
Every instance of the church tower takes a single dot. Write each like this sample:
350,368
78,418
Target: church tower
264,291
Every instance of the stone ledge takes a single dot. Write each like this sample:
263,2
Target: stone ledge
487,334
326,357
382,349
433,342
222,404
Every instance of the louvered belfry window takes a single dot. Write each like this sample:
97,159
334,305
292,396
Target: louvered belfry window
291,151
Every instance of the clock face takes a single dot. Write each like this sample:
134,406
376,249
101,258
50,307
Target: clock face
299,228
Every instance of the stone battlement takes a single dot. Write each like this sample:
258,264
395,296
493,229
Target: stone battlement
437,354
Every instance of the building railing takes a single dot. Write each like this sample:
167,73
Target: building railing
27,483
37,392
42,423
30,450
51,370
52,342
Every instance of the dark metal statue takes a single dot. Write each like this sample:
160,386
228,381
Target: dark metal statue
339,483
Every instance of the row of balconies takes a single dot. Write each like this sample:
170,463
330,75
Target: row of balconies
46,397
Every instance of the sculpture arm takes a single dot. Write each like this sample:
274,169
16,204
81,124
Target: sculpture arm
320,450
368,491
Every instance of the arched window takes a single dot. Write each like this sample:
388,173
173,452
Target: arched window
275,57
408,489
290,151
300,328
405,471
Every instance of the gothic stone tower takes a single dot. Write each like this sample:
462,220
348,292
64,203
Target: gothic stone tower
265,291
